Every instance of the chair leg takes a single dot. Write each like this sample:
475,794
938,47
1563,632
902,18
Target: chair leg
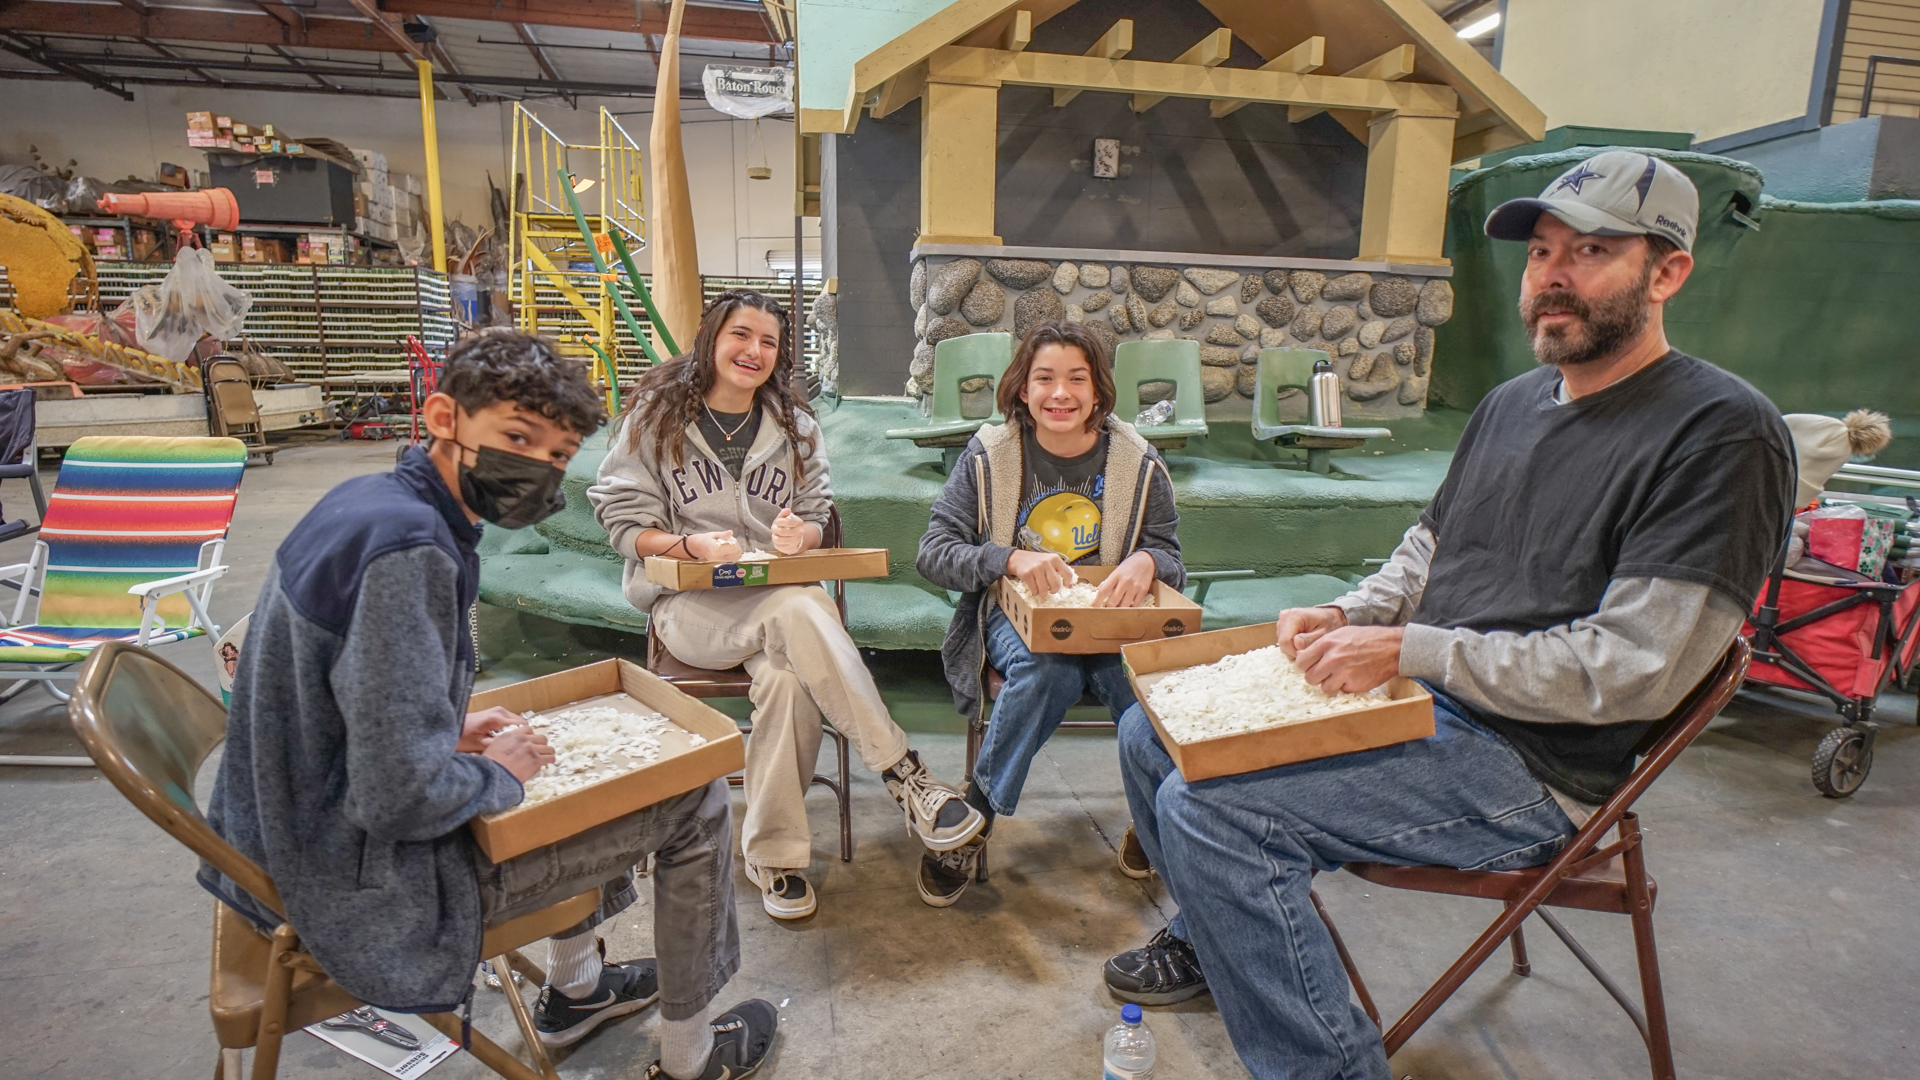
1519,942
533,972
1346,960
486,1050
524,1019
845,794
273,1005
228,1066
1640,900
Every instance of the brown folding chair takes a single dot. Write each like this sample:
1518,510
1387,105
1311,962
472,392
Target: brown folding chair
149,726
1584,875
734,682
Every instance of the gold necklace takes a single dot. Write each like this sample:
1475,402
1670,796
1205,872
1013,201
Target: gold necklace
723,427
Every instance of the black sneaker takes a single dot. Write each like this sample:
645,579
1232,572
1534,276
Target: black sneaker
741,1041
624,988
1161,973
945,875
1133,857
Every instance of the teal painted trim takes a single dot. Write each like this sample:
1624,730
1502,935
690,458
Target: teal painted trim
1756,135
834,35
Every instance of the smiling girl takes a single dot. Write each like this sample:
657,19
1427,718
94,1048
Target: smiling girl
715,455
1062,482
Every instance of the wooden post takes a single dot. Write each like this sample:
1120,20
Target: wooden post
676,259
958,140
1404,218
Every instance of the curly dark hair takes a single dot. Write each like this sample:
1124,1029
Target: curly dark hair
1073,336
669,397
499,364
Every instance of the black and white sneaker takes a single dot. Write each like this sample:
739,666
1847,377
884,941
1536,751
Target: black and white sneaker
624,988
741,1040
1161,973
945,875
936,813
784,893
1133,857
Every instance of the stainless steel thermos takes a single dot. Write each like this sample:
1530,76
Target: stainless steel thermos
1323,396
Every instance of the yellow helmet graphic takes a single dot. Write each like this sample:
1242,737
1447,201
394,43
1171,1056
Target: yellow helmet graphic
1067,523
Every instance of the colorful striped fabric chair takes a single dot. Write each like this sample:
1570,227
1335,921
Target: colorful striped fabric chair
129,551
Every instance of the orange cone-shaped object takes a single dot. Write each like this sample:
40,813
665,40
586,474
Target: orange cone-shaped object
213,207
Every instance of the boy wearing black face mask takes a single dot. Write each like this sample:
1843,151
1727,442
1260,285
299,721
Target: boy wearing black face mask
352,767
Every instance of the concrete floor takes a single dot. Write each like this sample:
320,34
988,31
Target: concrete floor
1786,920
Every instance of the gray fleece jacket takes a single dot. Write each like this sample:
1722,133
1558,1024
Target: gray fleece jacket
970,536
636,492
341,776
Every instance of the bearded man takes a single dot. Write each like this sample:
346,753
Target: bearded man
1605,525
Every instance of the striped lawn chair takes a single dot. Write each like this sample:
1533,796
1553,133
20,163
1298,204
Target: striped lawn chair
129,551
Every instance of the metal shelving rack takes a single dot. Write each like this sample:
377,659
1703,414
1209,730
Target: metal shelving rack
323,321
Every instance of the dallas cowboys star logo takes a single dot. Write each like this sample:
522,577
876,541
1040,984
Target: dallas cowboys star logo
1577,177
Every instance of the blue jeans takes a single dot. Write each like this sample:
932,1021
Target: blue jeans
1237,854
1040,688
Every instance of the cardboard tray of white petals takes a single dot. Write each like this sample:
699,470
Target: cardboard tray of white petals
1406,714
683,764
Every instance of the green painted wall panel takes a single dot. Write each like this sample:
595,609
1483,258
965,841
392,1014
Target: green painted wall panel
1818,308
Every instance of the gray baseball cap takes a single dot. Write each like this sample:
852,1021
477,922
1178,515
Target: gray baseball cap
1618,193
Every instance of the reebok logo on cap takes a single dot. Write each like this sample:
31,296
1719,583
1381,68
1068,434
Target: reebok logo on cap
1616,193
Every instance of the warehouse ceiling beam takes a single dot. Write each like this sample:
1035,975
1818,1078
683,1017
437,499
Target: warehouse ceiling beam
1116,43
627,16
188,24
28,50
437,53
298,65
212,80
1303,59
293,21
390,27
1209,52
525,34
161,80
342,71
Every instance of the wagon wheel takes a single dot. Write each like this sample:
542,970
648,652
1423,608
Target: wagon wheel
1841,761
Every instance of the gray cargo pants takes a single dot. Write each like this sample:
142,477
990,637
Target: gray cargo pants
695,931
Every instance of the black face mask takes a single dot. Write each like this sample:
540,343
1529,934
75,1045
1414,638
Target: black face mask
510,490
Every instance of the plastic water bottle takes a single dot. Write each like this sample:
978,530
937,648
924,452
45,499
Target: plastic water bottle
1157,413
1129,1050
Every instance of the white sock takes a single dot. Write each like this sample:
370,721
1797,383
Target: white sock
685,1045
573,965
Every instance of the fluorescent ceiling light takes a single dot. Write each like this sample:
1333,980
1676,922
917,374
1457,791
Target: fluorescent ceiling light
1482,26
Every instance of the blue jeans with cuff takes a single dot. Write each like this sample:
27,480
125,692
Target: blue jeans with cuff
1039,690
1238,853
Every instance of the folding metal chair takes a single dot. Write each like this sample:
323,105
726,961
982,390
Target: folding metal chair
734,682
150,726
19,456
1586,875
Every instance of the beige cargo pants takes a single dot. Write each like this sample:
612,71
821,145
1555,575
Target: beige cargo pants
804,666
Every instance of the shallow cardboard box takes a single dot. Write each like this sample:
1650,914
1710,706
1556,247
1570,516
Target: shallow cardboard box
820,564
1408,716
680,769
1097,630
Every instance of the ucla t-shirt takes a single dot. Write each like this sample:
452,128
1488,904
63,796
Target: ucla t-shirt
1061,501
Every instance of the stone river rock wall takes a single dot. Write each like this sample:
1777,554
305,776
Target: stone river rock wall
1377,327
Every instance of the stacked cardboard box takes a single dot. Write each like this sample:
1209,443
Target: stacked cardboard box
215,132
